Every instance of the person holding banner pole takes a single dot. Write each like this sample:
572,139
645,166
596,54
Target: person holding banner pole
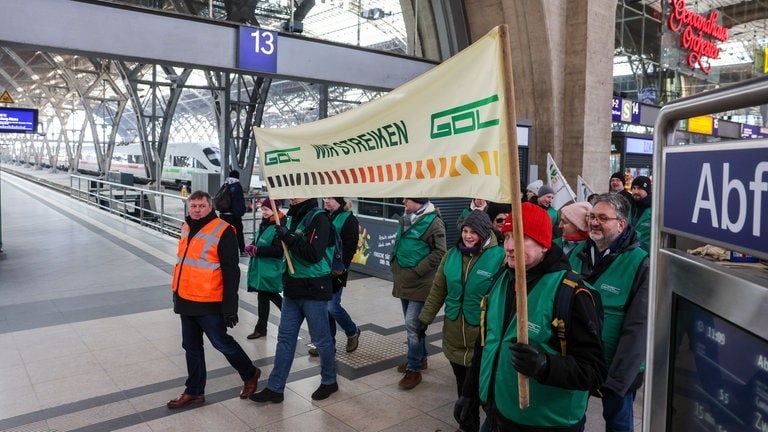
559,390
307,290
418,249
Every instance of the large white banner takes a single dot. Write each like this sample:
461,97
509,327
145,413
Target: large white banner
442,134
563,192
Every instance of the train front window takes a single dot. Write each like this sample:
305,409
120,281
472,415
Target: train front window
213,155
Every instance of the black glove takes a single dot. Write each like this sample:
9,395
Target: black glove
463,409
421,330
230,320
527,359
285,235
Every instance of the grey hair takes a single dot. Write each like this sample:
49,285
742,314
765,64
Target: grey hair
617,201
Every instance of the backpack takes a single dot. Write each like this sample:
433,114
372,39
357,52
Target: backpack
561,310
337,264
222,200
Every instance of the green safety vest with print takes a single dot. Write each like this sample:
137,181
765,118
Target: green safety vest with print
306,269
266,273
466,295
549,406
410,249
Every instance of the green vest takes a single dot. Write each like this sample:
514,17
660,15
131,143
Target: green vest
549,406
466,295
614,286
642,227
409,248
552,215
266,274
303,268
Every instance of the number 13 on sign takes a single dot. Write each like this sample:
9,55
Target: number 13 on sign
257,50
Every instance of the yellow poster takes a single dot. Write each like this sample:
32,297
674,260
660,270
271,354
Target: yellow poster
442,134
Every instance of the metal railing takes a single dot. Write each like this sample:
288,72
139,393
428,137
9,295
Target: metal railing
159,210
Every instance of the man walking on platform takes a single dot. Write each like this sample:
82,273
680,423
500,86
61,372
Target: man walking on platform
419,247
234,215
612,261
306,293
205,283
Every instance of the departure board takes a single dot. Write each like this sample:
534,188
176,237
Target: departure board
719,374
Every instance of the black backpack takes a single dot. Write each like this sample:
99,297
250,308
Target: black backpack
561,311
222,200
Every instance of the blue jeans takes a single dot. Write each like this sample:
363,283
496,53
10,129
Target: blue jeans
339,315
192,330
292,316
617,412
417,346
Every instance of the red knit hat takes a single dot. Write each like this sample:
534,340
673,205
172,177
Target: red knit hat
536,224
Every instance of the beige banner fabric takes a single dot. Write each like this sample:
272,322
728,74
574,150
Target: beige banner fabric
442,134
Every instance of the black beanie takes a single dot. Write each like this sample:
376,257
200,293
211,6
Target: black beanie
234,174
421,201
340,200
642,182
617,175
480,223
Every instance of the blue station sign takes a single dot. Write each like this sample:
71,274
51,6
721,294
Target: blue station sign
18,120
257,50
719,194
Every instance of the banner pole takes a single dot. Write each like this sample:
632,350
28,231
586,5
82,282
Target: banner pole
288,261
521,291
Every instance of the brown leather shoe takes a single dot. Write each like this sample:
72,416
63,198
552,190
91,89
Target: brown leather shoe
250,386
410,380
401,368
184,400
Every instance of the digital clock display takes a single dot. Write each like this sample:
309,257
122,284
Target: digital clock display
719,374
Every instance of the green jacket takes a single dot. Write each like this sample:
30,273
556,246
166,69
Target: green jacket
458,335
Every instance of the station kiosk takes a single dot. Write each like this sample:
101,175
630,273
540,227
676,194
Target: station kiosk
708,319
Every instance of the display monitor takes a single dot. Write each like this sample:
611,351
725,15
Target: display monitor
18,120
719,374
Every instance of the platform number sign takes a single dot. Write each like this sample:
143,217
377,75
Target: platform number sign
257,50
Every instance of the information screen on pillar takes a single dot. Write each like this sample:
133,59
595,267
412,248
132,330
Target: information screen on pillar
719,374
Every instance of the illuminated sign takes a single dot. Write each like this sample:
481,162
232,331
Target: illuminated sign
623,110
698,34
700,124
18,120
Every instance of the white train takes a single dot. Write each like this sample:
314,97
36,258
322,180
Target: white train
182,160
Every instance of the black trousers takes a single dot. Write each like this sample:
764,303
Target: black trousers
263,300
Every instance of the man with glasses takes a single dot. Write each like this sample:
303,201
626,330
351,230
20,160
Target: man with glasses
612,261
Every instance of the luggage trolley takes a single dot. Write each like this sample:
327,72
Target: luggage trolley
708,319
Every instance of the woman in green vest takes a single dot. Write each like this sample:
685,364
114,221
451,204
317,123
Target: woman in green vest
266,266
559,381
462,280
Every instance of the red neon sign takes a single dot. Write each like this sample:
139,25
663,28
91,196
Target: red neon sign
693,29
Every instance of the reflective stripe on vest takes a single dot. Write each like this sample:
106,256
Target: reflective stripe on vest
197,275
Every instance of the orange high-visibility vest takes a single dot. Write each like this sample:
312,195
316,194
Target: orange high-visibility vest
197,275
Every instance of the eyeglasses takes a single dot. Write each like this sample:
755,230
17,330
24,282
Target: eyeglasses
500,220
601,218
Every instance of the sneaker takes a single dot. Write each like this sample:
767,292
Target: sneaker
324,391
353,342
266,395
410,380
402,367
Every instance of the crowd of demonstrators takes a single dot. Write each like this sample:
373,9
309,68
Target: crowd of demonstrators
234,215
417,251
559,383
462,280
475,204
573,223
347,226
640,216
613,262
205,283
307,291
267,265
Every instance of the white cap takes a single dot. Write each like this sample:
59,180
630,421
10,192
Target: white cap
534,187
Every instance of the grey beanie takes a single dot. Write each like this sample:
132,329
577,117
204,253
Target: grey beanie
546,189
480,223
